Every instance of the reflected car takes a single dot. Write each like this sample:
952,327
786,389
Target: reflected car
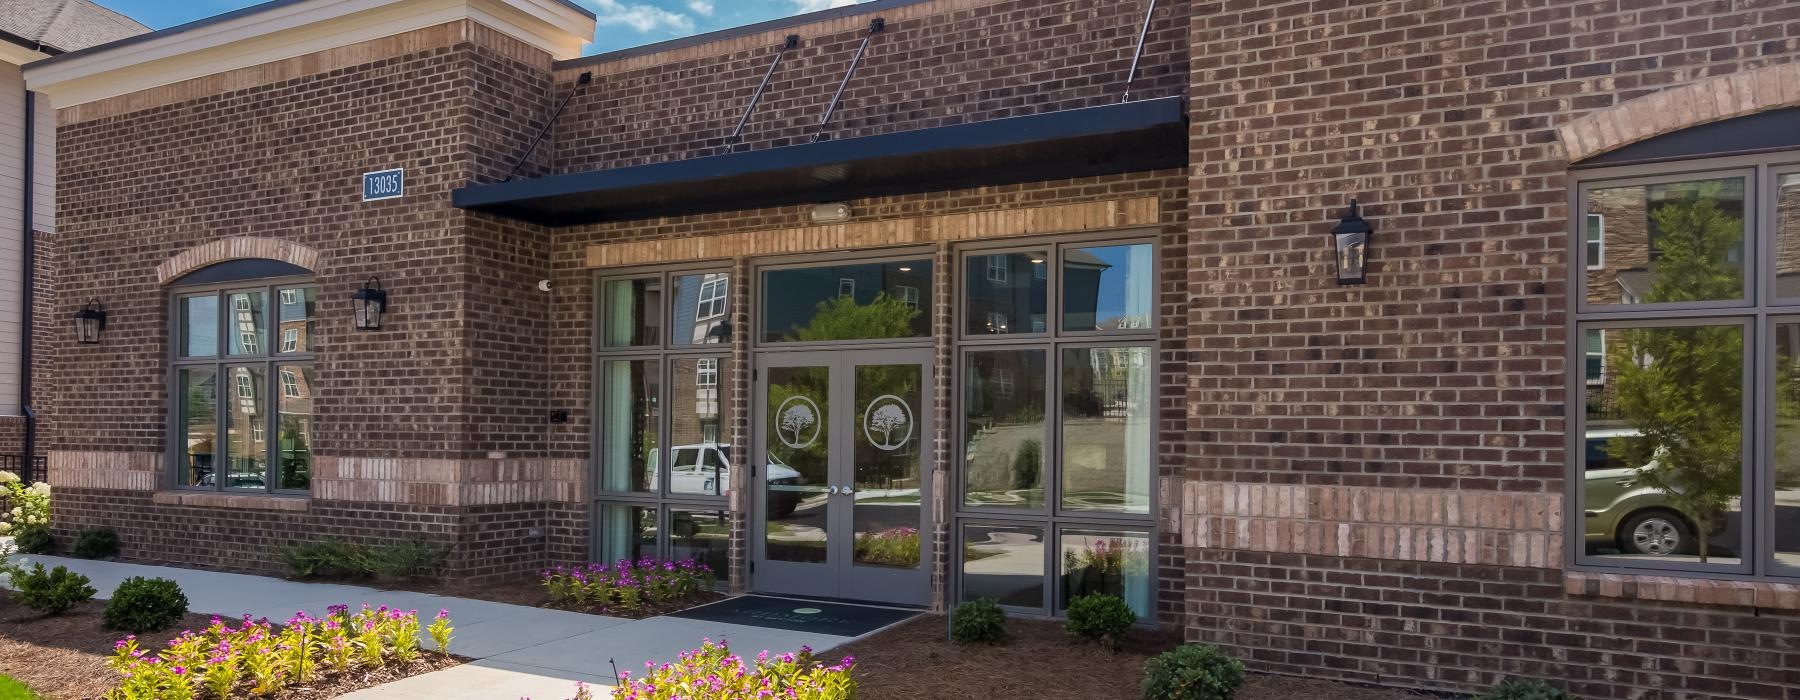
1623,512
705,468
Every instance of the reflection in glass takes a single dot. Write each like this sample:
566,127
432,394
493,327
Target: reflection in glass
699,455
701,535
1004,562
1664,243
1006,293
1108,288
1107,412
246,331
846,302
886,452
199,425
1663,454
1111,562
799,439
295,426
247,425
629,312
1786,479
627,532
702,313
295,314
628,430
200,326
1003,429
1787,236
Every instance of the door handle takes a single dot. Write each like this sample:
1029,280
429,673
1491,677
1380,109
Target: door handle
833,490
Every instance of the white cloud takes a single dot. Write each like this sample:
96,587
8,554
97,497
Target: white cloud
801,6
704,8
642,18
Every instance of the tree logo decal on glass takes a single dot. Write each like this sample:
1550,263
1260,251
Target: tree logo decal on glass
888,423
797,422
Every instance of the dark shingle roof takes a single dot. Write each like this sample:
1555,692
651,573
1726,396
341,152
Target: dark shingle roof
65,25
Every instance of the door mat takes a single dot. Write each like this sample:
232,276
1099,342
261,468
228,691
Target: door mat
840,619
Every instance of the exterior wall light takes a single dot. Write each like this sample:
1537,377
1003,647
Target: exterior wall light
89,321
370,303
1350,239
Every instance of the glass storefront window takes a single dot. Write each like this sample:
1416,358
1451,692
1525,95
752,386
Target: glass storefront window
246,428
1109,562
295,314
1003,562
701,535
869,301
199,425
1108,289
630,425
1108,411
1003,428
630,312
627,532
699,420
200,326
1785,480
1006,293
294,450
246,333
1665,243
1787,237
701,314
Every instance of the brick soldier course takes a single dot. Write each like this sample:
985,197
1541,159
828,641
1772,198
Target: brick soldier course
1364,483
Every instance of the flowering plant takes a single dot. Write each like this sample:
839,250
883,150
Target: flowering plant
29,503
261,658
897,546
712,672
627,585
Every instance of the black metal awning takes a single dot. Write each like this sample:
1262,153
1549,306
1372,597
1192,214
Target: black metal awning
1129,137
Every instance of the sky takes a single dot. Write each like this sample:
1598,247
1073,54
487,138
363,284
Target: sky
623,23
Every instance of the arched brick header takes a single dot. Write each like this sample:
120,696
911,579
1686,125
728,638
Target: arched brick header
1677,108
239,248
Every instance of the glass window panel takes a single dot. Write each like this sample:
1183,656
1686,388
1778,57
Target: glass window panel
1004,562
1108,409
246,328
845,302
798,437
247,428
294,427
1110,562
1663,454
295,313
885,453
1108,288
1667,243
702,313
1006,293
1596,241
200,326
1786,477
199,425
1003,428
627,532
699,453
703,536
629,430
1787,236
629,315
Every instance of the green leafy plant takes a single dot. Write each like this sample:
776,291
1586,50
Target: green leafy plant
627,586
96,543
979,621
52,592
1525,689
22,504
713,666
34,539
403,560
1192,672
142,605
1100,617
897,546
397,560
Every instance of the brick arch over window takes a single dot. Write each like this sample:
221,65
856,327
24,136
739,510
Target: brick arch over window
240,248
1676,108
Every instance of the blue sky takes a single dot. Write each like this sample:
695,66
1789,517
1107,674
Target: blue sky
623,23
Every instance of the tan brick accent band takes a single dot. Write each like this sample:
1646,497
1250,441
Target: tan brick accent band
1713,99
1066,218
445,482
1681,589
1456,527
239,248
119,471
231,501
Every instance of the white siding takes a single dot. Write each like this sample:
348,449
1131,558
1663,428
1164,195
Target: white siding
12,239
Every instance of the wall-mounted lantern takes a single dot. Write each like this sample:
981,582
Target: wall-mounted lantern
1350,239
89,321
370,303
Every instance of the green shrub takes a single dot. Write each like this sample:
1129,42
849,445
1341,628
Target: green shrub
1525,689
51,593
403,560
327,558
96,543
1100,617
34,539
978,621
1193,672
142,605
399,560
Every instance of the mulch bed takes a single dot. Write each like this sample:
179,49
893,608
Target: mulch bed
530,592
64,657
915,662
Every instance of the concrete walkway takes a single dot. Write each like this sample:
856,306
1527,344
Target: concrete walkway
520,651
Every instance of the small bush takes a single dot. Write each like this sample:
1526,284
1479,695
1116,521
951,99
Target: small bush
979,621
403,560
142,605
96,543
1100,617
1525,689
1193,672
400,560
52,592
34,539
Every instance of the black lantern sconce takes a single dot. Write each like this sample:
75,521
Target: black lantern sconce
370,303
1350,240
89,321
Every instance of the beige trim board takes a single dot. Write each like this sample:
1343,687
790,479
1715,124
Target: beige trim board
1001,223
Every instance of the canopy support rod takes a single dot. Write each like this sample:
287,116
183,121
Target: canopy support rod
793,40
579,83
1139,55
875,27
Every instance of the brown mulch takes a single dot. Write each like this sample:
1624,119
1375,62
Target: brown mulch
64,657
530,592
1042,662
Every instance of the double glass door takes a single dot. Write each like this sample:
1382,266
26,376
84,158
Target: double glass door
844,475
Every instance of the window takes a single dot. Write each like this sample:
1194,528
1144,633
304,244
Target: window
843,301
257,434
909,296
998,269
712,299
1682,447
706,372
846,287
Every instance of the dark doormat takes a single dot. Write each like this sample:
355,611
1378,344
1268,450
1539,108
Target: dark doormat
841,619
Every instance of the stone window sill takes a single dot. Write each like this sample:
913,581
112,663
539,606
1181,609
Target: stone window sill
232,501
1681,589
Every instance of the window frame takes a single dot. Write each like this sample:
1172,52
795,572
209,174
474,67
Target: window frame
1584,183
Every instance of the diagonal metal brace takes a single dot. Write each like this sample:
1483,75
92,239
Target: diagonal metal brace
1139,55
875,27
793,40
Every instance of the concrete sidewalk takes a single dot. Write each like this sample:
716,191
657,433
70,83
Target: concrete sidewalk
520,651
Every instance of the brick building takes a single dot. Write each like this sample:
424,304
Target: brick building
1009,298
